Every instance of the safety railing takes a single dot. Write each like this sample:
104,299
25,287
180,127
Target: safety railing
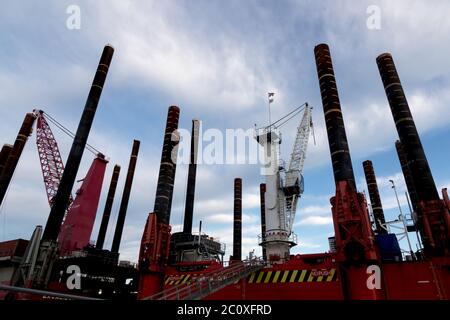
209,282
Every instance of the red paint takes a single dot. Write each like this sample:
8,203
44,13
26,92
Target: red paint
77,227
153,256
418,280
414,280
352,226
436,225
52,165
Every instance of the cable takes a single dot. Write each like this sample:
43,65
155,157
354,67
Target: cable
296,110
89,147
297,113
69,133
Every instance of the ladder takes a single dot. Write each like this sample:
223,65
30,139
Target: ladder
210,282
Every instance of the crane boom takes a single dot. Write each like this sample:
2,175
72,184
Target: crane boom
301,142
79,217
293,187
50,158
283,188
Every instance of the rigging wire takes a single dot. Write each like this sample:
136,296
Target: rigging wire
295,110
293,115
289,113
89,147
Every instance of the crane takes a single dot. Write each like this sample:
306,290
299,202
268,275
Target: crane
79,218
51,163
294,183
283,187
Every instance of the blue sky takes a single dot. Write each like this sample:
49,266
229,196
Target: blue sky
217,61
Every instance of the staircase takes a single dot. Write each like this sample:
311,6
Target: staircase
209,282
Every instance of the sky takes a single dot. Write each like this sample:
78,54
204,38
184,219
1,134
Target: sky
217,61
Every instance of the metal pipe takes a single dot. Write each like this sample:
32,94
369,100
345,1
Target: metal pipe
355,243
407,175
190,192
76,152
406,128
167,169
337,138
237,221
44,293
374,195
199,232
14,155
108,206
433,217
155,243
4,154
125,197
262,192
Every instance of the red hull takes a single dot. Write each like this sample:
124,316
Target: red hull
295,280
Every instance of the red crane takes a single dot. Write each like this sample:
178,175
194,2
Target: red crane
80,215
49,156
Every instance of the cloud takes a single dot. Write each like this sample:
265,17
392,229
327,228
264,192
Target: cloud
205,207
376,122
316,210
220,218
309,245
176,57
218,63
315,221
384,184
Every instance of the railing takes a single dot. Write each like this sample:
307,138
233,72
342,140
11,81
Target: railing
209,282
45,293
292,238
205,238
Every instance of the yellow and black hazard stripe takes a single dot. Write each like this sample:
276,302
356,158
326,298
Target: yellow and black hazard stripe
288,276
179,279
280,276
